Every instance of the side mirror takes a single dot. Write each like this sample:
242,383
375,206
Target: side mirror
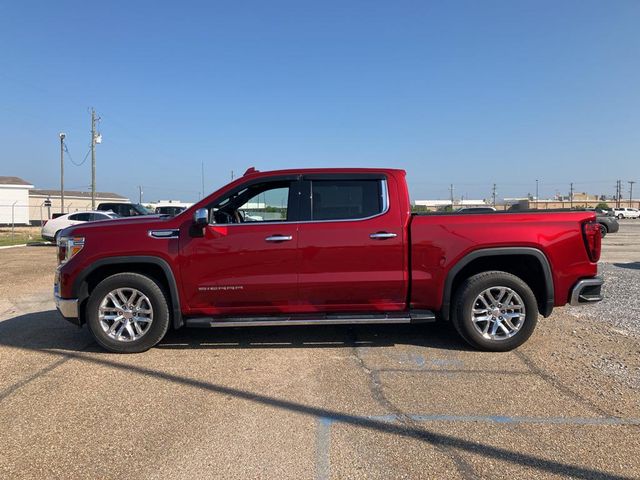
201,217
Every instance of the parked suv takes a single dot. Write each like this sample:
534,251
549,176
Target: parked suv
124,209
624,212
170,210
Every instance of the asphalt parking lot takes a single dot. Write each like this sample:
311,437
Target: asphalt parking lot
323,402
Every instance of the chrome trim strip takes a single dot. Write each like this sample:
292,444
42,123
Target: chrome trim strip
384,193
279,323
385,209
162,234
576,292
68,307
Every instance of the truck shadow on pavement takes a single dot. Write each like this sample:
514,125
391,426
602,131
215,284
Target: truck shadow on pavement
44,332
630,265
439,336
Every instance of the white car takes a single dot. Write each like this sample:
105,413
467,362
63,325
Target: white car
626,212
51,228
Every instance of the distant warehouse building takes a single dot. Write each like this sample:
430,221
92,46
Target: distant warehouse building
74,201
14,201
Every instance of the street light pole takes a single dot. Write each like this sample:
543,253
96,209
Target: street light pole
537,198
631,182
62,137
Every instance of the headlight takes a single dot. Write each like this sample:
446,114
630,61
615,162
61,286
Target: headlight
68,247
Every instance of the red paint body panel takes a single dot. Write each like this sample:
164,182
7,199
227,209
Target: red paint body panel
440,241
343,269
329,265
232,269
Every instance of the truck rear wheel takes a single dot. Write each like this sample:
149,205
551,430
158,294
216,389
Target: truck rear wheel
128,313
494,311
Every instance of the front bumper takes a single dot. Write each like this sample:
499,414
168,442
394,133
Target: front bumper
587,290
68,307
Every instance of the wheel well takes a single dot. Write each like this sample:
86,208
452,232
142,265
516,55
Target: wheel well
526,267
148,269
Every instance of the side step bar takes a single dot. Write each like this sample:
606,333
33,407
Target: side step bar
416,316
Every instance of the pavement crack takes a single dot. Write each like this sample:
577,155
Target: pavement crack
551,380
464,468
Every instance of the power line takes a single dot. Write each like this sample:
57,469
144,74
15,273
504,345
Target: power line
66,150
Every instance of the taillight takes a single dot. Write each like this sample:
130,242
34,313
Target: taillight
592,240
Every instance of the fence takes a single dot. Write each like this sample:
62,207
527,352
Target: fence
16,214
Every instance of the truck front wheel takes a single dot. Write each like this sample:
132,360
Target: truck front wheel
127,313
494,311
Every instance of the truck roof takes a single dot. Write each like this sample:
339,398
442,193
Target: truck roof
251,171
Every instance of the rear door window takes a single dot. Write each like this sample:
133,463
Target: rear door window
346,199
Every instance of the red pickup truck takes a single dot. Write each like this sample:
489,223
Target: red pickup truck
323,246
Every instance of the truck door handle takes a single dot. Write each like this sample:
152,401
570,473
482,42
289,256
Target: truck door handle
382,235
279,238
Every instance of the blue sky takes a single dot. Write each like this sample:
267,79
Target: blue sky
464,92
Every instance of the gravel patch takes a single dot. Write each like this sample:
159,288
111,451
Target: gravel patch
621,305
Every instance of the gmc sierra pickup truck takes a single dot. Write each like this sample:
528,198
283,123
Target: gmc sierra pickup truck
323,246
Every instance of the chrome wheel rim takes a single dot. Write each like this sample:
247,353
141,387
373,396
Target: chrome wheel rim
498,313
125,314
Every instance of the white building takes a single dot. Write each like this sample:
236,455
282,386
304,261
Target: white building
14,201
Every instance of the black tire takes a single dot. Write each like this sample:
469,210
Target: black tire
55,237
620,217
463,304
157,299
603,230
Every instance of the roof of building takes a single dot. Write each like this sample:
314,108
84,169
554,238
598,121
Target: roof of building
13,181
75,193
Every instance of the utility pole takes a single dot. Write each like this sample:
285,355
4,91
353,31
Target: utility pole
493,195
62,137
618,193
537,198
631,182
231,174
202,179
451,192
93,159
571,194
140,194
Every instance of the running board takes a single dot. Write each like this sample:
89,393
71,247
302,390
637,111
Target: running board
417,316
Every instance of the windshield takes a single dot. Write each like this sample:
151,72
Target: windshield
140,209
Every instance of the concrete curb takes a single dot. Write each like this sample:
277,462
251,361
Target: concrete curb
31,244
